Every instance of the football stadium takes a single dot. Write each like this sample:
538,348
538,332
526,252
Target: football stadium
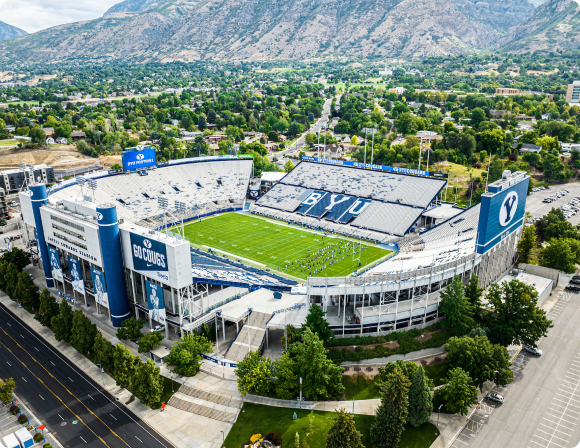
194,241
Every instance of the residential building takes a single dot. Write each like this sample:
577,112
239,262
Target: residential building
506,91
573,93
11,181
3,206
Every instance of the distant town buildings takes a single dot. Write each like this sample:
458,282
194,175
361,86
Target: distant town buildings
573,93
505,91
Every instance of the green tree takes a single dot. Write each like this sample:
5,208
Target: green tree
202,122
291,334
316,322
459,394
288,166
125,366
147,384
526,244
287,377
473,294
480,359
26,292
6,389
405,123
47,309
11,279
558,255
83,332
37,135
517,318
185,354
458,311
420,399
61,324
343,432
18,257
130,329
103,351
392,412
255,374
477,116
149,341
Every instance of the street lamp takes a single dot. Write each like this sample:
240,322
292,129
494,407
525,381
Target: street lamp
223,438
439,412
102,378
300,405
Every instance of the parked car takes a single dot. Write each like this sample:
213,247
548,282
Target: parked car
575,281
573,288
533,350
497,398
158,328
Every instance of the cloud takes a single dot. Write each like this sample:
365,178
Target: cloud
35,15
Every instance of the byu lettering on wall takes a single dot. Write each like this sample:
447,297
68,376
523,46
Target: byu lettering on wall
155,302
149,257
55,266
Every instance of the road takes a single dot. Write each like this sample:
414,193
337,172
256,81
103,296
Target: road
542,405
72,406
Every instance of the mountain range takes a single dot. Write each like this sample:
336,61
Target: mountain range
262,30
9,31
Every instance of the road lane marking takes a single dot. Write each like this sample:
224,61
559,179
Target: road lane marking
41,397
83,439
60,416
24,380
112,416
139,439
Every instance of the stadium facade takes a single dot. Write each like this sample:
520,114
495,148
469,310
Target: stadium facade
101,238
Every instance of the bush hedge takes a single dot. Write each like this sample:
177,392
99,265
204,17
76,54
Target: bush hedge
369,340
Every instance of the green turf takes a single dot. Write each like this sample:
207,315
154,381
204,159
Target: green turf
260,419
277,245
359,387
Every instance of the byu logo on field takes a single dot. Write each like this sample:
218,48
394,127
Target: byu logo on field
147,244
99,216
508,209
140,156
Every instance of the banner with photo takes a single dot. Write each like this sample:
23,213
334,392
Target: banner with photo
55,264
100,287
76,275
156,302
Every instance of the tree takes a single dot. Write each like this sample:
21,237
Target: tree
343,432
211,116
26,292
37,135
202,122
130,329
473,294
125,366
10,279
477,116
420,399
254,374
147,383
392,412
459,394
103,351
354,140
6,389
295,128
458,311
116,166
526,244
517,318
480,359
149,341
18,257
558,255
185,354
316,322
47,309
288,166
83,332
405,123
61,324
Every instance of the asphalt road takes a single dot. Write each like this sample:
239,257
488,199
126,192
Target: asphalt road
72,406
537,208
542,405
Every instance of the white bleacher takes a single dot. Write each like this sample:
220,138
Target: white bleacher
207,197
383,186
394,217
283,197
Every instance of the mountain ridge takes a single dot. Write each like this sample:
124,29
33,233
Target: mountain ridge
8,31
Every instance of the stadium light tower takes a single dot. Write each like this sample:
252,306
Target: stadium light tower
181,208
163,204
93,186
372,131
80,181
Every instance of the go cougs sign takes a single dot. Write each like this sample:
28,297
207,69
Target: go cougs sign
150,257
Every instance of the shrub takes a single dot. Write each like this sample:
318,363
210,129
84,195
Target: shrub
359,349
47,445
14,408
274,438
255,438
38,437
22,419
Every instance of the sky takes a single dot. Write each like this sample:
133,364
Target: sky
35,15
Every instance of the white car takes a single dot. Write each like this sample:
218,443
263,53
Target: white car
158,328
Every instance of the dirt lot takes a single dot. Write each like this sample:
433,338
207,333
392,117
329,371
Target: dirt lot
110,160
58,156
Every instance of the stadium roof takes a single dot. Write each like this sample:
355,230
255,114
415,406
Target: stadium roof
262,301
443,212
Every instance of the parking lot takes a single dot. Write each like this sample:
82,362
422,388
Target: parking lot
537,208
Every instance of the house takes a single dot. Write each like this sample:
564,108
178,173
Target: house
568,147
48,131
333,151
49,141
175,122
62,141
497,114
216,138
271,147
78,135
528,147
187,134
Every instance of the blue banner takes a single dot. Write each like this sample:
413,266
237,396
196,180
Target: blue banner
100,287
149,256
55,265
139,157
155,302
394,169
76,275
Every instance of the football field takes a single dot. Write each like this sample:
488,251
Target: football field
283,248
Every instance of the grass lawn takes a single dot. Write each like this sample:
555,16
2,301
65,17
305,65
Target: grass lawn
260,419
20,103
278,246
168,391
8,142
438,373
461,172
360,387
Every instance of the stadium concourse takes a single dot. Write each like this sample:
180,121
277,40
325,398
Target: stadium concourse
104,240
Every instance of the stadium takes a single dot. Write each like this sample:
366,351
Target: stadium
185,242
